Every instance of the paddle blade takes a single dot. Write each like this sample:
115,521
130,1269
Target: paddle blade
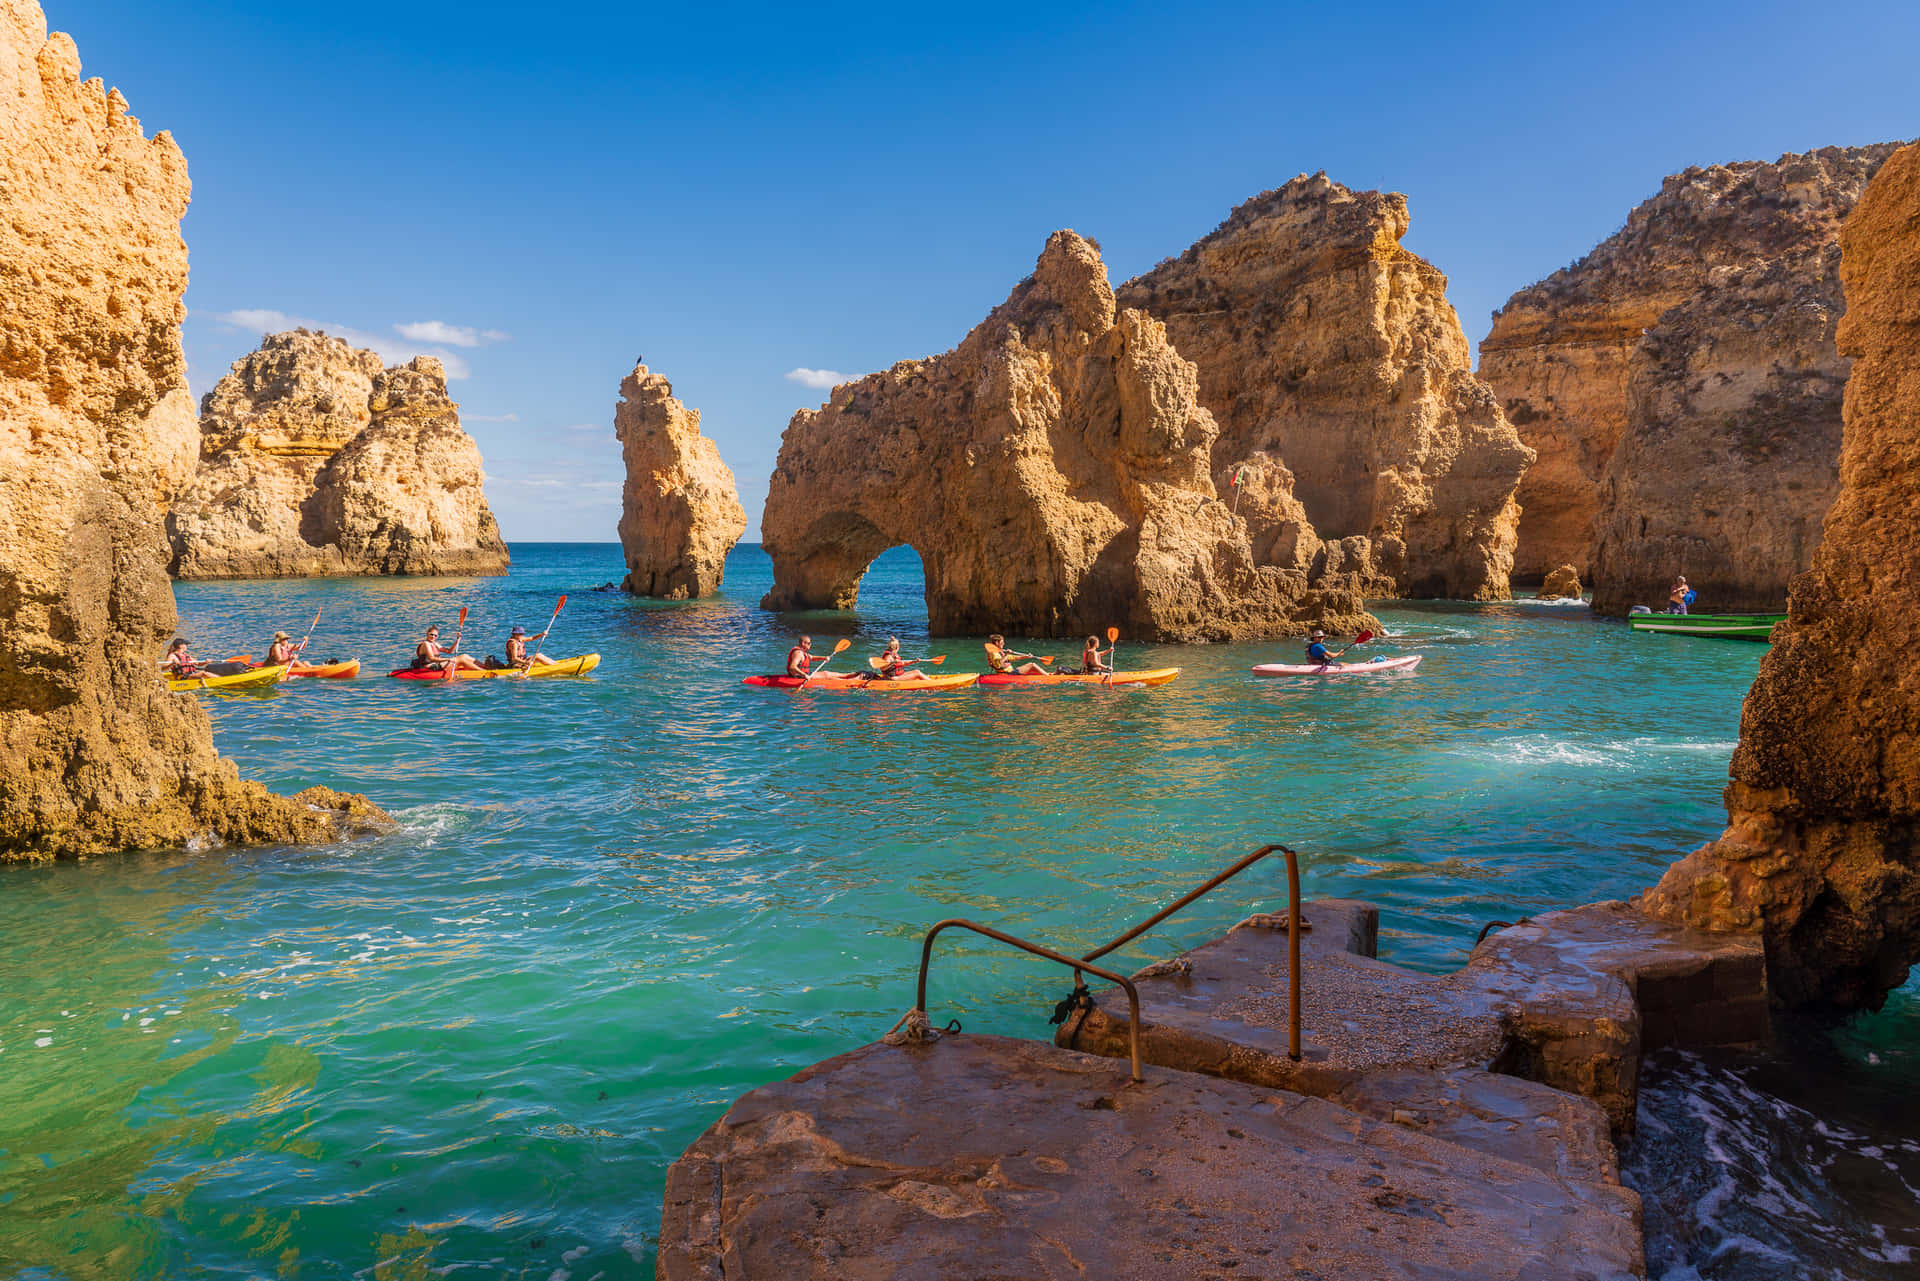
875,663
1051,658
842,646
1363,638
562,605
937,660
463,617
1113,634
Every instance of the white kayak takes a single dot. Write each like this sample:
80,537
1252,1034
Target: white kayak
1371,667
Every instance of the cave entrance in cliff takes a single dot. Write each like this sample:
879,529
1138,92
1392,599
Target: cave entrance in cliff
894,588
845,562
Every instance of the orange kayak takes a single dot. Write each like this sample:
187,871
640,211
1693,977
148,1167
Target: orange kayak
1156,676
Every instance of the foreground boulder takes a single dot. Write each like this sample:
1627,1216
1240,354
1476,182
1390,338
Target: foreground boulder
1682,388
96,429
1824,805
679,513
314,460
1053,472
1322,342
1562,583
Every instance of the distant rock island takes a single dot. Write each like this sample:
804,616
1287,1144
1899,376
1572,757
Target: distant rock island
316,460
679,513
1055,473
1682,386
1325,345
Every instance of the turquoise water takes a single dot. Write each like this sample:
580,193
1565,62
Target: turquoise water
616,903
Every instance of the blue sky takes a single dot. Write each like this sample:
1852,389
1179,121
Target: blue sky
543,193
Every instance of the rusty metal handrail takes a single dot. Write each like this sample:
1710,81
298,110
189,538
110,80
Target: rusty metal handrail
1047,953
1293,932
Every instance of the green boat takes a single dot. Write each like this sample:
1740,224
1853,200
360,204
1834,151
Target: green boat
1754,627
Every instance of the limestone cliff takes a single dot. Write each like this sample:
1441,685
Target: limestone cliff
679,514
316,461
1682,388
1053,472
96,429
1322,342
1824,804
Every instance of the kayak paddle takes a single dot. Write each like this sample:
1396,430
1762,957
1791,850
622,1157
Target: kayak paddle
528,665
1113,639
840,646
1361,639
301,646
458,628
876,662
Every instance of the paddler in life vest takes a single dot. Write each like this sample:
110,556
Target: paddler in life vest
891,667
1317,650
429,654
178,663
1002,660
517,650
282,652
800,659
1094,660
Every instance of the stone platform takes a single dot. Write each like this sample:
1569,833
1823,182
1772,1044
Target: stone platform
984,1157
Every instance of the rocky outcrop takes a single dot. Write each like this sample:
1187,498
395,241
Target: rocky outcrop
679,514
1323,342
1053,472
1682,389
1562,583
1824,804
314,460
96,430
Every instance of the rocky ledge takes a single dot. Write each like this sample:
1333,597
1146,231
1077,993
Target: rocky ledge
679,513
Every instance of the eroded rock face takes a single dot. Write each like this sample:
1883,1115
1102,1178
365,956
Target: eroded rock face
314,460
1824,803
1561,583
96,430
1053,472
1682,387
679,514
1323,342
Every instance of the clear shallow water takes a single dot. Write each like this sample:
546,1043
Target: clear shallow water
616,903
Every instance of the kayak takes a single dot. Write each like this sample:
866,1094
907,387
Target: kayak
837,683
1372,667
1755,627
252,679
328,671
579,666
1157,676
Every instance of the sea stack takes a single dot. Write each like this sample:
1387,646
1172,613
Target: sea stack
315,460
96,431
1682,388
1820,851
679,512
1322,342
1054,473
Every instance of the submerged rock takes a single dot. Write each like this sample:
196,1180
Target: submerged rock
1562,583
679,513
96,431
1053,472
1682,389
314,460
1820,852
1322,342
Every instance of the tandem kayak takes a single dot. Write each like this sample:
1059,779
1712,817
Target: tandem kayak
326,671
1372,667
1157,676
251,679
579,666
836,683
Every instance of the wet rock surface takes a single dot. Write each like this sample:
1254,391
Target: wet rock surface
1325,346
1561,583
986,1157
680,514
1820,854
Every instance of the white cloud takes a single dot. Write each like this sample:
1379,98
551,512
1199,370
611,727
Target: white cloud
267,320
822,379
440,333
491,418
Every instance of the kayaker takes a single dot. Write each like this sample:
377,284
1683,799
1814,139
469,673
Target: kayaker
800,659
1317,650
517,650
1093,660
892,667
1679,596
429,654
178,661
1001,660
282,652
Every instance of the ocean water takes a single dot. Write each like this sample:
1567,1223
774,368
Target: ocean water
472,1047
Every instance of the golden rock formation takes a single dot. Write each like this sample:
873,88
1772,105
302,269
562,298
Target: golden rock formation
1322,342
1053,472
1821,853
96,430
680,514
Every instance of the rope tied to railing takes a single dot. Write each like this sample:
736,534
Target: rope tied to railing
915,1028
1078,999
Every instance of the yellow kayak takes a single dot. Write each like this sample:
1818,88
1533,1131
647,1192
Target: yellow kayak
239,680
579,666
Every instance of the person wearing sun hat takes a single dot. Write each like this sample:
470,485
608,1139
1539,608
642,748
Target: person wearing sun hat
282,651
517,657
1317,649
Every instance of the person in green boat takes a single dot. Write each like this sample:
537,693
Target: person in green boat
1679,596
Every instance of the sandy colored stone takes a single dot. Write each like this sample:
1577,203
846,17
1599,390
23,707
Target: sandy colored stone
979,1156
314,460
1682,388
1824,803
679,513
1323,343
1054,473
96,432
1562,583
